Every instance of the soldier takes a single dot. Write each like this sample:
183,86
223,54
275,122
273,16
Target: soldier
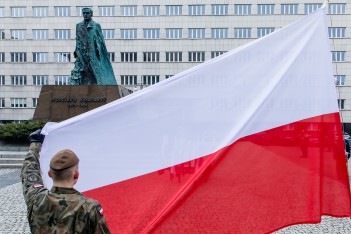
61,209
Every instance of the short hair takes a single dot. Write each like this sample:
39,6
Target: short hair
63,175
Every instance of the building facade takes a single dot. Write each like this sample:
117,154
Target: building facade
148,41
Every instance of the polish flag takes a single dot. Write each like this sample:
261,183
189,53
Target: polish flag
248,142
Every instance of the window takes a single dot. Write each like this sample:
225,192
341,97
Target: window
129,80
18,11
151,33
62,57
80,8
340,80
34,102
2,102
151,56
40,34
174,10
335,32
2,57
242,9
62,80
2,80
111,56
150,80
219,9
19,80
108,33
196,33
18,34
261,32
62,34
128,10
40,80
265,9
337,8
2,11
311,7
174,56
39,57
219,33
338,56
129,57
289,9
18,102
217,53
128,34
196,9
151,10
242,32
18,57
341,104
106,10
174,33
62,11
168,76
196,56
40,11
2,34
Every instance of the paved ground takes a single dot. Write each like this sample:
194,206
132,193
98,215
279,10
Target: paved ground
13,211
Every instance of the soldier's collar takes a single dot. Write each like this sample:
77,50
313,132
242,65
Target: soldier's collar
62,190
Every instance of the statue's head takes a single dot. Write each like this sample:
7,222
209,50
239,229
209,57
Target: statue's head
87,13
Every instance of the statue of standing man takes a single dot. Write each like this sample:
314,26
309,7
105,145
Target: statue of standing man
92,65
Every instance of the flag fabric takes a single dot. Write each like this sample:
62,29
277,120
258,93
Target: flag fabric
248,142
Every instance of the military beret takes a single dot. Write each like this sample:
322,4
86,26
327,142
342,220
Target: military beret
63,159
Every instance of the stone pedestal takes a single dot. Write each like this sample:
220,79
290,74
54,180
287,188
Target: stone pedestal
57,103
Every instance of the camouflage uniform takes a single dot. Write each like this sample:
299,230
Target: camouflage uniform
60,210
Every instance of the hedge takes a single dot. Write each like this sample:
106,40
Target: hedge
19,132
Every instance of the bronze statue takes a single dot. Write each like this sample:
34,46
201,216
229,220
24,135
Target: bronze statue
92,65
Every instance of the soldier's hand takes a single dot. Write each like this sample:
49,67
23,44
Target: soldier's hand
36,136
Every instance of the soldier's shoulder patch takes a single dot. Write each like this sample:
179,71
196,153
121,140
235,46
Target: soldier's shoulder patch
33,178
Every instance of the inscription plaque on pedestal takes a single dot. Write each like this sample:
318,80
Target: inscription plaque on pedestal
57,103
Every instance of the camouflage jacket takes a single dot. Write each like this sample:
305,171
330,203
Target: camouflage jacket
59,210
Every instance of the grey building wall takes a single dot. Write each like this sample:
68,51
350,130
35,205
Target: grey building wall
141,16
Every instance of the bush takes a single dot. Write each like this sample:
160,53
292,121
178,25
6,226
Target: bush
19,132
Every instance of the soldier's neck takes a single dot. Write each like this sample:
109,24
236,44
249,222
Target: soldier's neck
63,184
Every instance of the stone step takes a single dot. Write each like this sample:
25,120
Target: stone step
11,161
13,154
12,165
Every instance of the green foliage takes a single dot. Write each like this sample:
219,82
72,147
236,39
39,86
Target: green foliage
19,132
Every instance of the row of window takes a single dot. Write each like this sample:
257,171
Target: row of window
22,102
154,33
18,102
171,10
20,80
171,56
125,79
36,80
